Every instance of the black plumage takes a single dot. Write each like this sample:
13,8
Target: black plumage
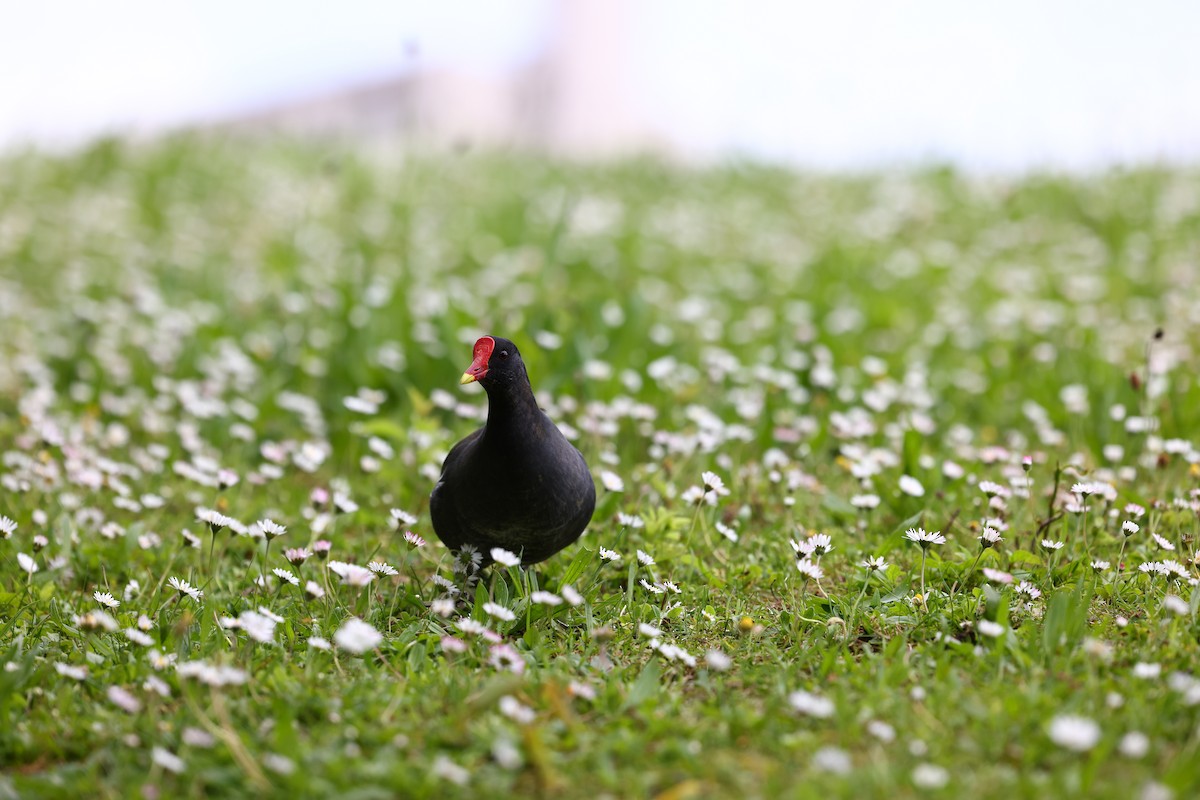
515,483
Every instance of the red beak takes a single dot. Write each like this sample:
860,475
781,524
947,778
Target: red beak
479,367
474,372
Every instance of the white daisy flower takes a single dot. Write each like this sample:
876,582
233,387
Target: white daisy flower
167,760
1076,733
629,520
1029,590
76,673
990,537
285,576
930,776
472,627
1177,605
713,484
819,544
611,481
137,637
184,588
1134,744
258,627
717,660
991,489
989,628
997,575
609,555
809,569
403,517
499,612
811,704
504,557
545,598
27,563
515,710
356,636
924,538
215,520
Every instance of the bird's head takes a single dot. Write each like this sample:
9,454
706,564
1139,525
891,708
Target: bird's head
496,362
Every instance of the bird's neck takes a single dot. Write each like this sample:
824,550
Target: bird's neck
512,410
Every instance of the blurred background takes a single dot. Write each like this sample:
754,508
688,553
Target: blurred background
1013,85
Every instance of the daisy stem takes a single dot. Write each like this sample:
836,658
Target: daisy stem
383,660
266,547
337,665
166,572
1026,510
392,608
164,605
820,589
520,581
1120,555
923,603
412,574
696,519
857,600
1085,526
225,732
975,563
970,570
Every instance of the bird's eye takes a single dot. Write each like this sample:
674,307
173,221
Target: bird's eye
504,354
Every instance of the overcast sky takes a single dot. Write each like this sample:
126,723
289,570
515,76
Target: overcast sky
1074,83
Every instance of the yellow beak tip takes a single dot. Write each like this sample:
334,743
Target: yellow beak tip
466,378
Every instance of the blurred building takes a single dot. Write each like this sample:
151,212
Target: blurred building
572,98
1002,84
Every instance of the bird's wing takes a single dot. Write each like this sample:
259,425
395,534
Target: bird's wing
459,452
442,511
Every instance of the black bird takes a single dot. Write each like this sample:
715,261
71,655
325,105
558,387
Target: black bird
515,483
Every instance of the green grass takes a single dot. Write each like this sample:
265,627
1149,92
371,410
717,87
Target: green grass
170,309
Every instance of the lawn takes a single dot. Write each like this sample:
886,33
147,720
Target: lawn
898,478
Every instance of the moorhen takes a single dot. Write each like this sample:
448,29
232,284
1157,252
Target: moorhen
515,483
